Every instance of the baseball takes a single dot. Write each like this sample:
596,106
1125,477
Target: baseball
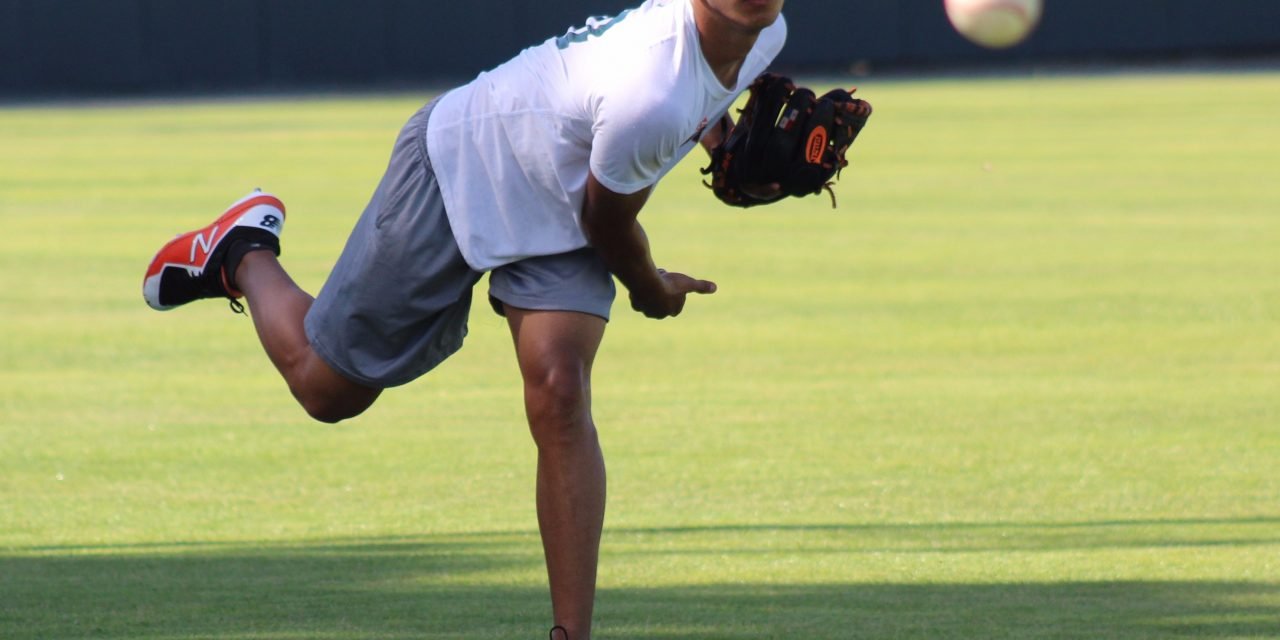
995,24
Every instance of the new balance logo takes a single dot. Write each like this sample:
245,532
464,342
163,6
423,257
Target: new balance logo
199,242
271,222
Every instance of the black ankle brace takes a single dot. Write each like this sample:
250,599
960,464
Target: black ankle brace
237,251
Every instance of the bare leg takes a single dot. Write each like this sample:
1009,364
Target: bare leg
555,350
278,307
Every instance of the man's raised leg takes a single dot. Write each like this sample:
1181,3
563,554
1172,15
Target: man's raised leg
278,307
235,256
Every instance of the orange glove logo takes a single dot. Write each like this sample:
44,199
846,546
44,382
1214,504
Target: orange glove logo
816,145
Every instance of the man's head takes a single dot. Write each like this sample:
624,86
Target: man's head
747,15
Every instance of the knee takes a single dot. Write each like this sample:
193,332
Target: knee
325,395
328,412
328,415
558,405
330,409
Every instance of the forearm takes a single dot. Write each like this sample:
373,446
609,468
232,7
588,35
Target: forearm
624,248
609,222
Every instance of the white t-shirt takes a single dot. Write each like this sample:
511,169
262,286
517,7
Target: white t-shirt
625,97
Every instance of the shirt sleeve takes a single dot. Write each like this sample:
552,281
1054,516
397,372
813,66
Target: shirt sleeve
633,141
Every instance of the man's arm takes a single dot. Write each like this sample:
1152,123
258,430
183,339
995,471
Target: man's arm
610,223
716,133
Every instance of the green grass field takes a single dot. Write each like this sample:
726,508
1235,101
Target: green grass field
1023,383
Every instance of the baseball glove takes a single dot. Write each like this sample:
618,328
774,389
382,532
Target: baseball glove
785,136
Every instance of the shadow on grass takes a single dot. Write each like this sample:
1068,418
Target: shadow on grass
489,586
971,537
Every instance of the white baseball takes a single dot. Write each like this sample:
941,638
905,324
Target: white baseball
995,24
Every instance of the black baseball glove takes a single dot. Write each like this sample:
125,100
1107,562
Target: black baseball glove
785,136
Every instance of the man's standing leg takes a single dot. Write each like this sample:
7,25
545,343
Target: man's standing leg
555,350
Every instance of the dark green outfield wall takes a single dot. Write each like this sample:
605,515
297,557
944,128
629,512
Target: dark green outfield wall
136,46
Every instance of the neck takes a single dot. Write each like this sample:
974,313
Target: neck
725,44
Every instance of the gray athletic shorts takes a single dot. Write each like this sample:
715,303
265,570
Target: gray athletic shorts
397,301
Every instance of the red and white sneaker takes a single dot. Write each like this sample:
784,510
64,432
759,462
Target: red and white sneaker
201,264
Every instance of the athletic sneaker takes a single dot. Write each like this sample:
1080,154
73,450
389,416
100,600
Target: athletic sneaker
201,264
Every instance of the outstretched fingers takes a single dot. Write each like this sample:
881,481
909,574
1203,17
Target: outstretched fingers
683,284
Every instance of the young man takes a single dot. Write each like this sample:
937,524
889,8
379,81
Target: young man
534,172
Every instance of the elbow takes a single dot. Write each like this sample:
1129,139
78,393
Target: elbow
595,222
607,217
591,226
